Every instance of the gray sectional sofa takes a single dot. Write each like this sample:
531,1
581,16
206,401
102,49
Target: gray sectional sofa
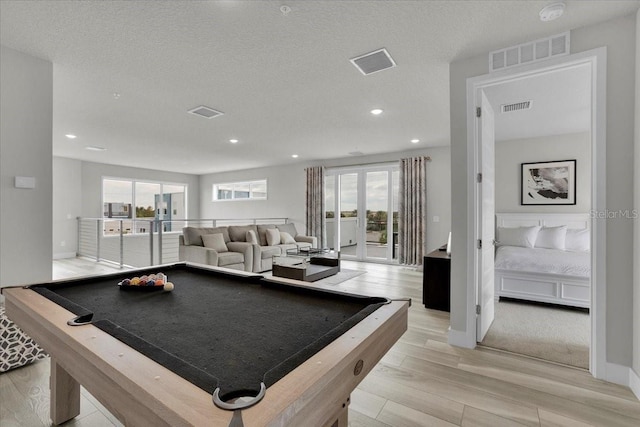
241,247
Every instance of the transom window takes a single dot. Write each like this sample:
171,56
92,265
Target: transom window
245,190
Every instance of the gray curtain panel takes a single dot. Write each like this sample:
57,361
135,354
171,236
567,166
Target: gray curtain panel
315,204
412,209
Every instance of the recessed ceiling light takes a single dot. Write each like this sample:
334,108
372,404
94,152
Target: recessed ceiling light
376,111
116,95
94,148
71,136
552,11
415,141
233,141
295,156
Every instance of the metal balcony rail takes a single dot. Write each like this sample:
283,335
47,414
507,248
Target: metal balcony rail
143,242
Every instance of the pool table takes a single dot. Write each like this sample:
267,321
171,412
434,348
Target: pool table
154,357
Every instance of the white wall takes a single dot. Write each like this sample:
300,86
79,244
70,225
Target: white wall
92,174
510,155
285,184
77,188
67,206
26,104
286,188
619,37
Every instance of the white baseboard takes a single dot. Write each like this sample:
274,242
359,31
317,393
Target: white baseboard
461,339
618,374
634,383
63,255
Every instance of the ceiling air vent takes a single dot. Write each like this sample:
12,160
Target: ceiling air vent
206,112
530,52
507,108
373,62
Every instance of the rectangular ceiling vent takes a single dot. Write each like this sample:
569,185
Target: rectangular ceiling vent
206,112
373,62
517,106
527,53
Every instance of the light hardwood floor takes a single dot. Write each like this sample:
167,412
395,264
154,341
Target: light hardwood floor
422,381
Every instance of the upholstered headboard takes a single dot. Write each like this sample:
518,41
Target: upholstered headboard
577,221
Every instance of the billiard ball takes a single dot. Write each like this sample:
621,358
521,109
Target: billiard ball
168,286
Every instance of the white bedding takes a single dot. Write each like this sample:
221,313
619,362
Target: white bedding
539,260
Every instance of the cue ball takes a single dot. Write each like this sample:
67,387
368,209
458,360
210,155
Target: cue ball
168,286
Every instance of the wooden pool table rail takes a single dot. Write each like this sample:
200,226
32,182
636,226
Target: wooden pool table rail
139,391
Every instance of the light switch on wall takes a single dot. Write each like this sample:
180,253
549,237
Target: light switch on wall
436,218
25,182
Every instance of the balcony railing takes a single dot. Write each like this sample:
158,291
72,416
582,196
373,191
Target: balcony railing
143,242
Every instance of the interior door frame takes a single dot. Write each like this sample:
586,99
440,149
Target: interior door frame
596,59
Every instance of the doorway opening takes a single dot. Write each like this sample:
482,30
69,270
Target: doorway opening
482,211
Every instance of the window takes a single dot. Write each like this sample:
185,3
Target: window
246,190
133,205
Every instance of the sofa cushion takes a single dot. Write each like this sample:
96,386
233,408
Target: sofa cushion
287,247
269,251
262,233
193,235
228,258
273,237
288,228
251,237
238,233
215,241
286,238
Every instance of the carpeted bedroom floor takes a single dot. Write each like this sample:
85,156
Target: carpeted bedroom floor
549,333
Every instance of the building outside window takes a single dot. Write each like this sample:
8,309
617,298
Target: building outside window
137,204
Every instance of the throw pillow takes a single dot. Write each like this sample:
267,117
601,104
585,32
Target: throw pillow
518,236
552,237
16,348
288,228
215,242
577,240
286,238
262,233
273,237
251,237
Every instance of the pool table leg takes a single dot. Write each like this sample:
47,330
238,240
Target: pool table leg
65,394
342,418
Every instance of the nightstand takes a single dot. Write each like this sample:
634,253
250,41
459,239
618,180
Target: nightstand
436,278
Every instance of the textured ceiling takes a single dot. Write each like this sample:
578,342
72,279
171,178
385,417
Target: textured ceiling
285,83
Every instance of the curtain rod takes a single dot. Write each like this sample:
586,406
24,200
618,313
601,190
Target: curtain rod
428,158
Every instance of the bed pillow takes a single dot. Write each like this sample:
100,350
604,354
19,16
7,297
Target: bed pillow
518,236
552,237
577,240
215,242
273,237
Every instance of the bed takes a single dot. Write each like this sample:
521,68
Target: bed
559,272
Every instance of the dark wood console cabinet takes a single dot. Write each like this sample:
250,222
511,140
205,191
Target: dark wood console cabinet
436,278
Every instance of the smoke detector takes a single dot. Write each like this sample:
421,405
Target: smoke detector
552,11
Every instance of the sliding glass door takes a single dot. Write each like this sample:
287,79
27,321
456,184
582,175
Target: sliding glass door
361,210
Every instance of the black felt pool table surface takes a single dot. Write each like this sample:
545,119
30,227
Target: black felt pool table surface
217,329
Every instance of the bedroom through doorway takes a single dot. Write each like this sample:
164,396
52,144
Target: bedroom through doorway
542,198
